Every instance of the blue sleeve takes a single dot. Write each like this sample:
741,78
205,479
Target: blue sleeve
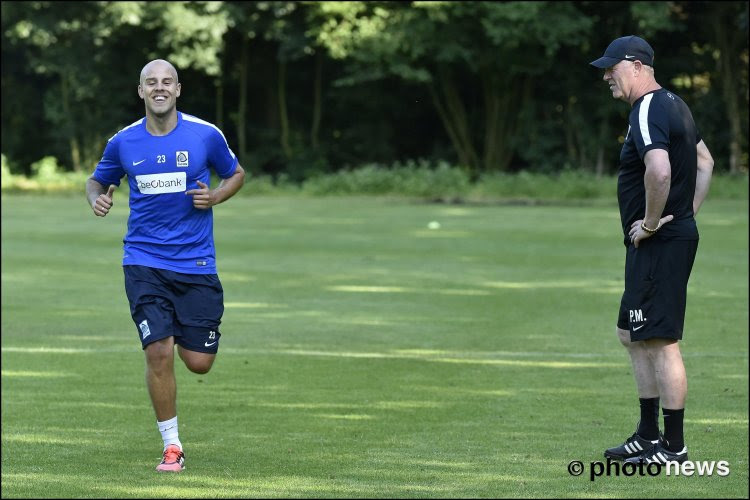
650,128
221,158
109,169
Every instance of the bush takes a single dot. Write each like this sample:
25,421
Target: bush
266,185
6,178
413,179
565,185
47,177
729,186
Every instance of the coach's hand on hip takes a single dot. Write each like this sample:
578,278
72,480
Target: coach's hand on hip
639,233
201,197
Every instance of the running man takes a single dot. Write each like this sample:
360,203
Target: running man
169,257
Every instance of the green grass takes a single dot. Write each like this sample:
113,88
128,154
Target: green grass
363,354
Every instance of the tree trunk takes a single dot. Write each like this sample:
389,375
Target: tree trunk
503,103
75,151
242,102
453,115
463,157
729,89
491,119
219,84
283,116
600,162
571,134
605,137
317,101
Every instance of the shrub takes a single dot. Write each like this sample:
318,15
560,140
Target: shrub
419,179
47,177
565,185
6,178
413,179
266,185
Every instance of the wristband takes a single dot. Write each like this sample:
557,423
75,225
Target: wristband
649,231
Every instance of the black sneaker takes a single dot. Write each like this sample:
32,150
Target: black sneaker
634,446
660,454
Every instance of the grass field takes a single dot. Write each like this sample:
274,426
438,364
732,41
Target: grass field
363,354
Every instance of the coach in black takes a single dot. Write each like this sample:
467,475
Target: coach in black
665,171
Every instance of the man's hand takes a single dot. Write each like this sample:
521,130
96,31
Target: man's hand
201,197
637,234
104,202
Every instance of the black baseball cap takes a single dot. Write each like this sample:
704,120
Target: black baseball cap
627,48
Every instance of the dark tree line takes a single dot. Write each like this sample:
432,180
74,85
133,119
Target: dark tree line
306,87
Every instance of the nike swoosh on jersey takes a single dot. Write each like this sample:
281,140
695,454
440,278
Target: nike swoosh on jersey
138,162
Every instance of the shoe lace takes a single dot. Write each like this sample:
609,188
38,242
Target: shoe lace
652,451
171,454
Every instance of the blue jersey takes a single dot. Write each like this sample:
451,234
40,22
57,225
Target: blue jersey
165,230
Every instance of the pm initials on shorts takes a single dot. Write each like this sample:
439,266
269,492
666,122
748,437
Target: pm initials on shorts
636,316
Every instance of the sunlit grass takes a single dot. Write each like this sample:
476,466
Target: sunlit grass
31,374
363,355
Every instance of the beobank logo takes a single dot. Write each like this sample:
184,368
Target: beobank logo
170,182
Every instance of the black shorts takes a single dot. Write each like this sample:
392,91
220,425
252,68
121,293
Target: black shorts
656,278
165,303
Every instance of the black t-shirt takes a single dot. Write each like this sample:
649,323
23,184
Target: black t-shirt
660,120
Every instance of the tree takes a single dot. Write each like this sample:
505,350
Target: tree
458,51
728,22
56,45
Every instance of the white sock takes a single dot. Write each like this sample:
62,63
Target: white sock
169,433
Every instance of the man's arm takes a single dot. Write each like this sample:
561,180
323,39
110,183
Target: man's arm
205,198
703,177
100,199
657,181
229,187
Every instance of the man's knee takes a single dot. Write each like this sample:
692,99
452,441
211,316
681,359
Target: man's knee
624,336
160,351
197,362
657,347
199,367
160,357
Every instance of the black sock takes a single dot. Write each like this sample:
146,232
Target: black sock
648,427
673,429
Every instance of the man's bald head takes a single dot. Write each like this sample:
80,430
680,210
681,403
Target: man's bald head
159,89
160,64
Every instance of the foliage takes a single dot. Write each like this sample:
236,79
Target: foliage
47,177
565,185
192,33
414,179
265,185
306,88
729,186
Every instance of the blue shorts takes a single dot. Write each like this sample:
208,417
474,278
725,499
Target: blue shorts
165,304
